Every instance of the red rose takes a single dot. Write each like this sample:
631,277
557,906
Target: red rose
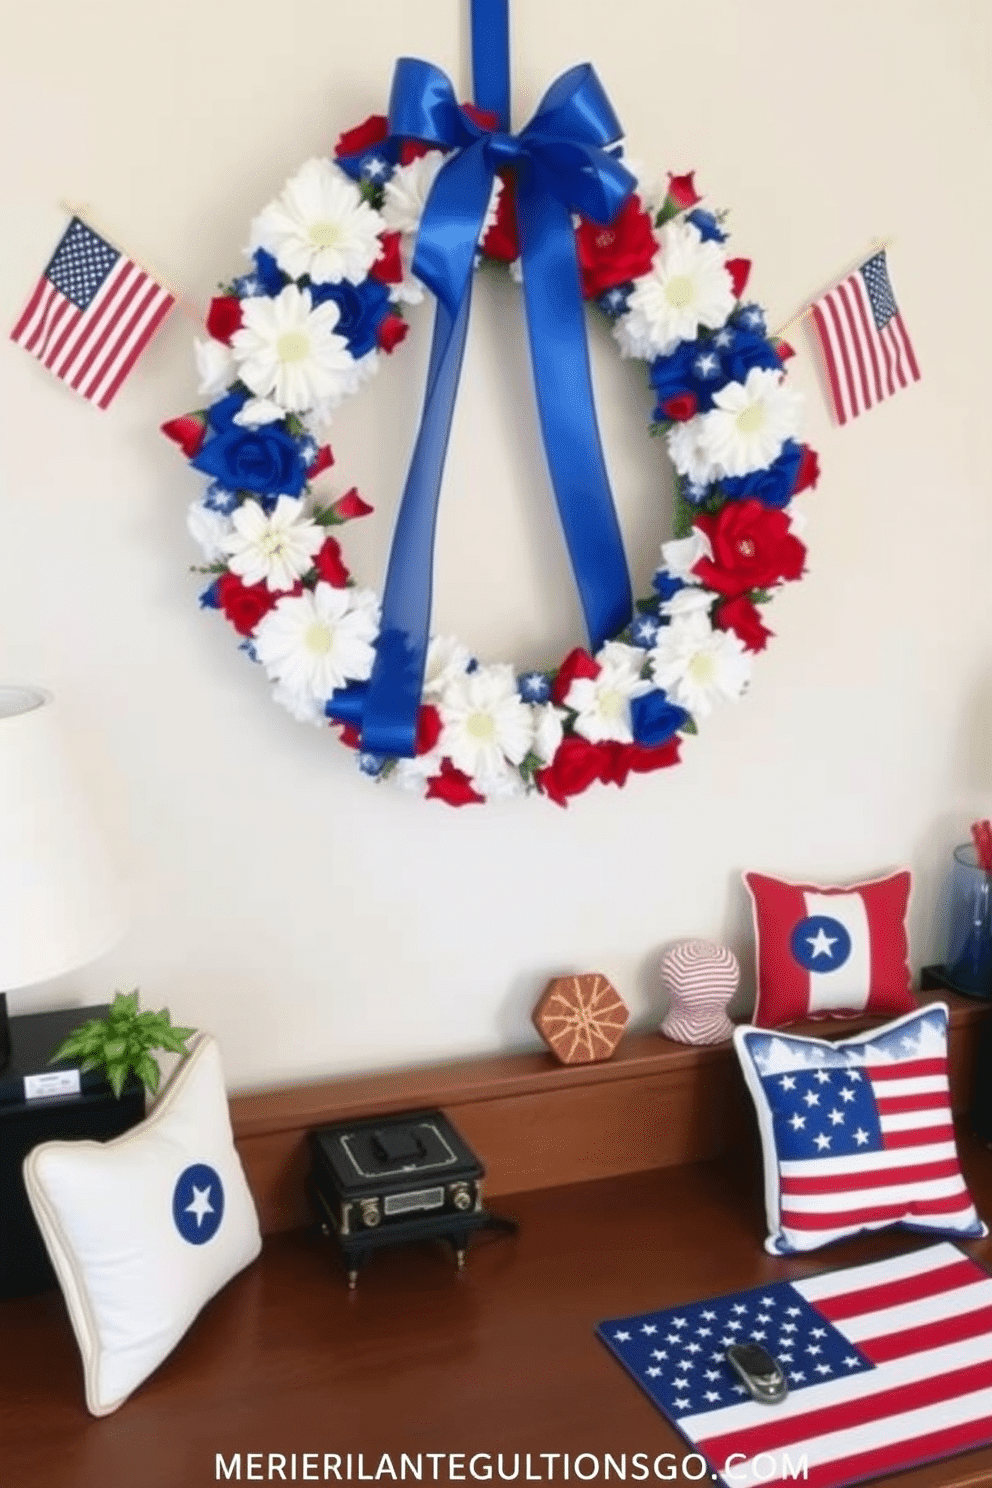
224,318
643,758
739,270
682,190
391,332
783,350
639,758
351,505
243,604
502,240
613,253
576,764
188,432
577,663
428,728
329,565
744,619
364,136
681,407
752,548
412,149
452,786
808,473
323,460
388,267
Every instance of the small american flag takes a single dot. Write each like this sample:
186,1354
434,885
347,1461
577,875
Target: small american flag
888,1365
91,315
866,346
862,1131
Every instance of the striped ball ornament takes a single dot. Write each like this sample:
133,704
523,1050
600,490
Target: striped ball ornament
700,979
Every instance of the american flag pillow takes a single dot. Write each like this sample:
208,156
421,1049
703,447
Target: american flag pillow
828,952
857,1135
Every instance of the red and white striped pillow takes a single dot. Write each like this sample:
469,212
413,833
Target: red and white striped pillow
830,952
858,1134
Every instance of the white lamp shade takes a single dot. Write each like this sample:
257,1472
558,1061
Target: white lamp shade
60,899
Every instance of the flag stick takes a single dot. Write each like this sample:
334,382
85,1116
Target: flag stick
74,209
877,247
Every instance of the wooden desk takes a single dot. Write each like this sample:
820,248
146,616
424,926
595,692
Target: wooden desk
500,1359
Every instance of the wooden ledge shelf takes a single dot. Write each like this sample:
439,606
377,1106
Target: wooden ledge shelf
536,1123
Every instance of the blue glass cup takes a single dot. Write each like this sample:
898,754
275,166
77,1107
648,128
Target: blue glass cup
969,945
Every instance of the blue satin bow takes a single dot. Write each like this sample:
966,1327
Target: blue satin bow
560,166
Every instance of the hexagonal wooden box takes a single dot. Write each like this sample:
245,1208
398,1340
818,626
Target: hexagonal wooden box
581,1018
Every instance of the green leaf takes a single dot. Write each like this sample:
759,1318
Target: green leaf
116,1076
667,211
67,1049
147,1070
113,1049
683,517
172,1042
326,516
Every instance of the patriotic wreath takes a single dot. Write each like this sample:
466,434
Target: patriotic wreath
325,296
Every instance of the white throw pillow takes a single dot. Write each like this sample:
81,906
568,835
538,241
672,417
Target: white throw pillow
143,1230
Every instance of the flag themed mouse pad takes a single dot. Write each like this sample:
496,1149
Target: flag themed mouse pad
888,1365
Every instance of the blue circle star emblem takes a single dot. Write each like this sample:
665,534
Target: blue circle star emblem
198,1203
820,943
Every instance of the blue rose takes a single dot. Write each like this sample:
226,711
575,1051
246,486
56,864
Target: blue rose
747,351
666,584
706,225
264,460
654,719
363,307
772,486
270,276
671,375
702,368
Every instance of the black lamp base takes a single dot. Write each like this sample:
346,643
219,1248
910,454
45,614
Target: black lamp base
4,1033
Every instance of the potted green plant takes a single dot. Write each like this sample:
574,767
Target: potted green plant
123,1041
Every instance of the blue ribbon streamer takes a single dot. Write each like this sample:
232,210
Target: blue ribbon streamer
561,166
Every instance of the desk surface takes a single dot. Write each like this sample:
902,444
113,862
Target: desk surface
501,1358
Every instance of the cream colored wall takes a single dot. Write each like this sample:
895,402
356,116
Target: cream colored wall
316,923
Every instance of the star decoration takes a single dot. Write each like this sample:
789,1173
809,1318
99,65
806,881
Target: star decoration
201,1205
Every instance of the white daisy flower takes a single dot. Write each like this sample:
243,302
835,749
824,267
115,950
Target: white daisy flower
602,703
699,666
413,774
749,423
447,659
503,784
485,721
214,366
315,642
287,350
682,554
688,602
278,547
320,226
687,286
406,192
405,197
209,529
301,704
688,454
548,731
